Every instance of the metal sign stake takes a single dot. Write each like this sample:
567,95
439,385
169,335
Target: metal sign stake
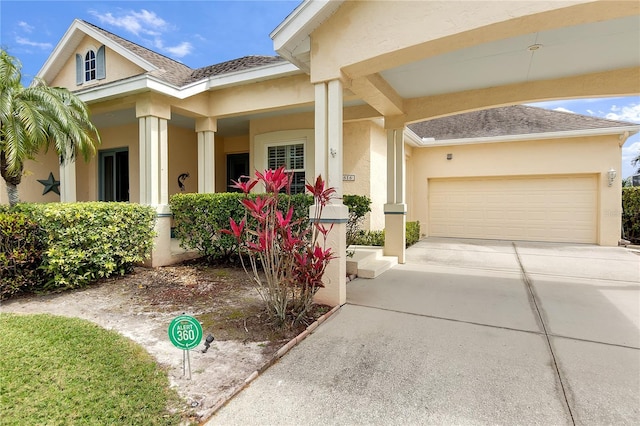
186,360
185,332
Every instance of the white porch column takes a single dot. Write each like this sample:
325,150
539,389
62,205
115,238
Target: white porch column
329,163
154,161
321,120
154,173
395,211
206,128
68,181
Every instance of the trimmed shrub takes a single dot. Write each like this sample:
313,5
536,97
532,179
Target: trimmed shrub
376,238
631,214
369,238
359,205
200,218
413,233
88,241
21,247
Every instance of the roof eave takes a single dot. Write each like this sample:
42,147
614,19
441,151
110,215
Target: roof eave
411,138
252,75
291,37
623,131
146,82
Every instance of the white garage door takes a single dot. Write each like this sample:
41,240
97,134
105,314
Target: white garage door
558,208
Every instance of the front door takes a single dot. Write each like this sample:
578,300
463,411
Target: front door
113,175
237,165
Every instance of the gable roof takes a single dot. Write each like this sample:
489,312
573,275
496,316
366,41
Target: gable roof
509,121
154,64
178,74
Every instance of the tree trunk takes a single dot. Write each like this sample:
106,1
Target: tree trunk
12,192
12,181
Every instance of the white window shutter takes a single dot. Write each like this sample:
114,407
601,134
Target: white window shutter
101,69
79,69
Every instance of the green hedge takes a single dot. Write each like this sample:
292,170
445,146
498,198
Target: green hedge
198,219
21,247
413,233
631,214
359,205
376,238
369,238
87,241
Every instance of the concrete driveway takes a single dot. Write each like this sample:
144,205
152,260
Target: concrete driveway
468,332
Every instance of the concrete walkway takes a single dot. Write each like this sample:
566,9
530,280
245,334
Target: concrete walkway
468,332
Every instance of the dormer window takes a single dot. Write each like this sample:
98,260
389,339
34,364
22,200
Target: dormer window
90,66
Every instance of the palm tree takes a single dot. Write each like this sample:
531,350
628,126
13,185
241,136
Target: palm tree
35,118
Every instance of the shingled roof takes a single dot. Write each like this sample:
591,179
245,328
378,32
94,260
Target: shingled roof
178,74
508,121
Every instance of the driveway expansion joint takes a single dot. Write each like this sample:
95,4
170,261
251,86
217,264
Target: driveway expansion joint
536,308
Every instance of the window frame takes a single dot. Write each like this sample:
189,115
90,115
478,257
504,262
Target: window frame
300,187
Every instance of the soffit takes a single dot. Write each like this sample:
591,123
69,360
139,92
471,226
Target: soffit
562,52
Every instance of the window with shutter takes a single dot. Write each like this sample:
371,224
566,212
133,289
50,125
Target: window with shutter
292,158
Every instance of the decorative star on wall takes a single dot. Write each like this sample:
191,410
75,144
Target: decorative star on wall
50,184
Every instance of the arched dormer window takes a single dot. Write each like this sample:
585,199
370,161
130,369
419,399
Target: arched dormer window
90,66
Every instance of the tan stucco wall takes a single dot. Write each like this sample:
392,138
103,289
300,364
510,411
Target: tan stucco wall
584,155
365,151
357,161
30,190
117,67
280,93
378,192
183,158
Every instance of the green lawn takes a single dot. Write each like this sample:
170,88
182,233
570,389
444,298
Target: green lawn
56,370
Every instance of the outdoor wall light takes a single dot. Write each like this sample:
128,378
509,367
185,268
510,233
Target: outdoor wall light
449,156
207,343
611,174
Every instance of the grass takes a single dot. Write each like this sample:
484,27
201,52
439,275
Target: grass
56,370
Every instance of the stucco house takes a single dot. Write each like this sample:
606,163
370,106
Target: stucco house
342,99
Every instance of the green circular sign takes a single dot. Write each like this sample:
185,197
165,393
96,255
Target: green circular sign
185,332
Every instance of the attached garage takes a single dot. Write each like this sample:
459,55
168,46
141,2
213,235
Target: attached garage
544,208
517,173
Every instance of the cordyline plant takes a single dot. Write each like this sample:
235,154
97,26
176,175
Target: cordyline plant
292,255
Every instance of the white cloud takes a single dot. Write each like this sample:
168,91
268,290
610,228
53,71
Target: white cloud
142,22
626,113
561,109
146,23
26,42
25,27
179,51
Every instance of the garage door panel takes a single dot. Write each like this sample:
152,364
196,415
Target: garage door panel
560,208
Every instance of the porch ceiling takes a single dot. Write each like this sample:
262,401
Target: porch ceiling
545,55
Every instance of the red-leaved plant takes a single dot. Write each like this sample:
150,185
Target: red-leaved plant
292,255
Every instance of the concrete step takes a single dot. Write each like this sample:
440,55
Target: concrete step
358,255
368,261
375,267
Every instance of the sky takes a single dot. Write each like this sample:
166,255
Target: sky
200,33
